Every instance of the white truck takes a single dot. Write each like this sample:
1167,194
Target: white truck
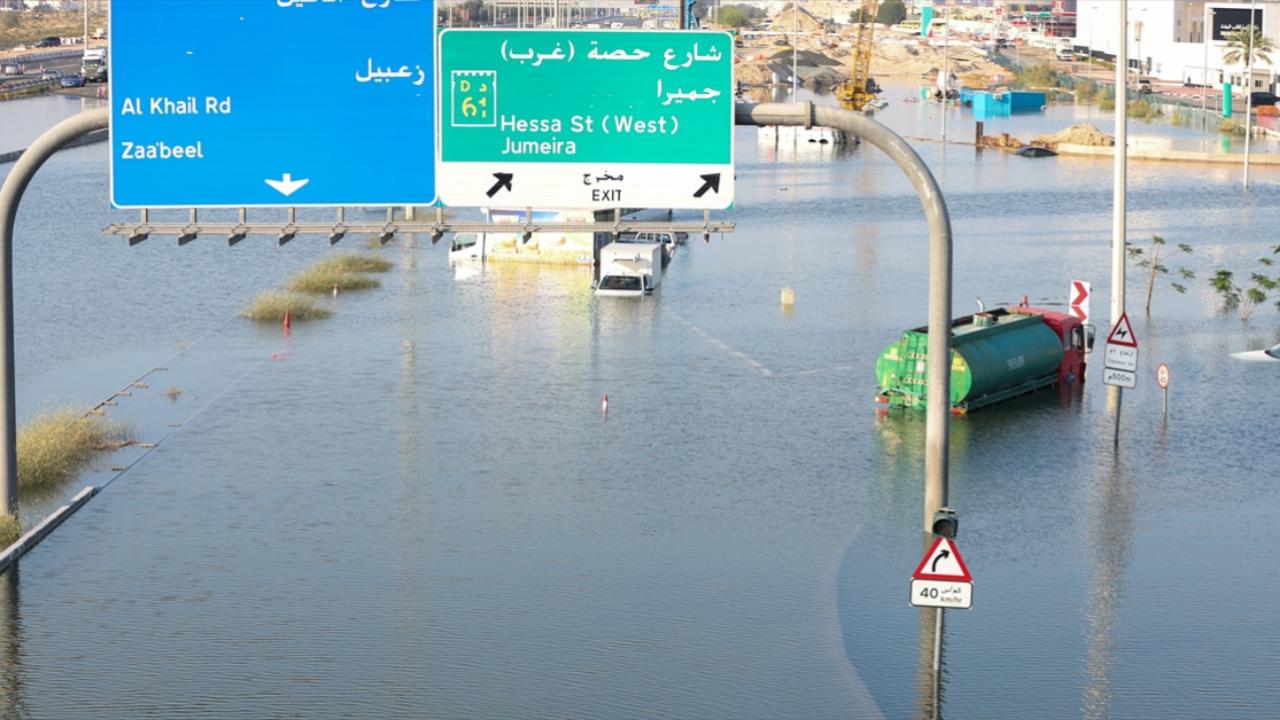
94,65
629,269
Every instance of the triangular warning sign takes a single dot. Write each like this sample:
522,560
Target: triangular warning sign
1122,333
943,562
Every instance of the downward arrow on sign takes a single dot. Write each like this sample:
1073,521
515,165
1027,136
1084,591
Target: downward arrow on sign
287,185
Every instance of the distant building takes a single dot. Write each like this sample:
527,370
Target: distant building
1168,38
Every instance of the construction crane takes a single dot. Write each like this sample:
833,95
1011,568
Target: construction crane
860,88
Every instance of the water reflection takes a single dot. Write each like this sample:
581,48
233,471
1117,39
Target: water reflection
929,685
12,698
1109,551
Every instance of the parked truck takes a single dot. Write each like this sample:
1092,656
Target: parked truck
995,355
94,65
629,269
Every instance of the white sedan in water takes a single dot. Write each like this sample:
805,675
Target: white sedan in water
1269,355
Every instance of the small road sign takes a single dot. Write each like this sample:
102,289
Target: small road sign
941,594
942,579
1121,360
1162,376
273,103
1122,333
586,119
1121,357
1078,300
1121,378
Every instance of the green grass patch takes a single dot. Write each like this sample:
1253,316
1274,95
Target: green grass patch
1039,76
1144,110
10,530
356,262
1230,126
270,305
320,279
56,445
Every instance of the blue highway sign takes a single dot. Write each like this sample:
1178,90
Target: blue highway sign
272,103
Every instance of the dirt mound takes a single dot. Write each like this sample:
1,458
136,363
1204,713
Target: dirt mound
753,73
1082,134
788,20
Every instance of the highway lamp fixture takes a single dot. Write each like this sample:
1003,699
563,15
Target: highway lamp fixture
237,234
387,236
137,237
336,234
186,236
436,235
287,234
526,237
945,523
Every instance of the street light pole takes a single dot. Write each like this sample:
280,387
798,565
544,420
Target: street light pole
1248,88
1121,157
1205,35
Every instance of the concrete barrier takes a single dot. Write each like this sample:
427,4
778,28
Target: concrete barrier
1171,155
33,536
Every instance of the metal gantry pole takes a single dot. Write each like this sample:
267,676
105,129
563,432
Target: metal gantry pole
938,413
11,192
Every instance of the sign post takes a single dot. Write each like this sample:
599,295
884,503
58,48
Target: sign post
586,119
272,104
1162,379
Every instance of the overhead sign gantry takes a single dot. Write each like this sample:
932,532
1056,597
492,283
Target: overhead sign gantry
273,103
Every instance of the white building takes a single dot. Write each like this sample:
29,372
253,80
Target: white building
1167,38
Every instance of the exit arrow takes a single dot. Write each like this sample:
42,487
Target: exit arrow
944,554
504,180
710,182
286,185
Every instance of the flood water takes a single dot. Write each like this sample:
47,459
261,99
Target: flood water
417,509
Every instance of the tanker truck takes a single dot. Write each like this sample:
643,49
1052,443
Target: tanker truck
995,355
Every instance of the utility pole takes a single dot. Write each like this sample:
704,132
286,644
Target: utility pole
1121,158
1248,88
1205,36
946,77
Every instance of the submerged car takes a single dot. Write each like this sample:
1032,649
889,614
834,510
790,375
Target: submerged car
71,80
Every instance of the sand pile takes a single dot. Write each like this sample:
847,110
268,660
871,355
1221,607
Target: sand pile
915,60
1082,134
788,20
753,73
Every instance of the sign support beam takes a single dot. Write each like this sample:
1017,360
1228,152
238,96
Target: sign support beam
15,185
938,420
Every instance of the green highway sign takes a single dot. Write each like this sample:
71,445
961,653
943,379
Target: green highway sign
586,118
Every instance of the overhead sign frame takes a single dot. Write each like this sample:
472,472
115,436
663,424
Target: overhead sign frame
306,118
586,119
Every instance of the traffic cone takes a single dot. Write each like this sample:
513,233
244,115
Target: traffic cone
604,406
288,321
335,289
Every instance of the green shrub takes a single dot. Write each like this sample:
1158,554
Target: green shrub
10,530
270,305
56,445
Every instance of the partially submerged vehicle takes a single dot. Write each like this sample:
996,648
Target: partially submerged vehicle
995,355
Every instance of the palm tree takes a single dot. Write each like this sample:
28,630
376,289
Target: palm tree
1240,42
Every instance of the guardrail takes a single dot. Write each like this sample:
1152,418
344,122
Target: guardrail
10,87
40,57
